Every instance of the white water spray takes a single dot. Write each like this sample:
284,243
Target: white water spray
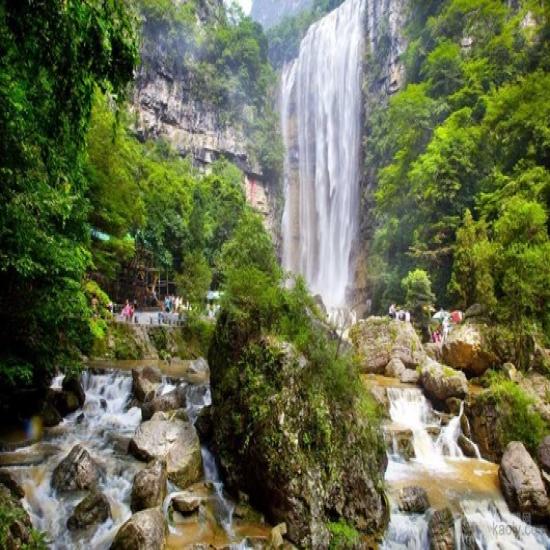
321,123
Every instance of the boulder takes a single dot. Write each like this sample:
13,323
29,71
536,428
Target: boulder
433,350
522,484
50,415
145,382
149,487
76,472
174,441
395,367
16,525
379,339
543,454
441,530
187,503
467,446
441,382
468,349
170,401
413,500
8,481
203,423
485,426
63,401
145,530
409,376
74,385
306,486
92,510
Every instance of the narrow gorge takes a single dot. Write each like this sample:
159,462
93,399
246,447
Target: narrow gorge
275,281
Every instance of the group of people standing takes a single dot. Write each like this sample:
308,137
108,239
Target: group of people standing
399,314
174,304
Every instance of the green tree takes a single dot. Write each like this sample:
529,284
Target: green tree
419,298
53,55
474,259
523,271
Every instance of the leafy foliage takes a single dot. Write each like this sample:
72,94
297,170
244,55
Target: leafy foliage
518,420
53,55
461,160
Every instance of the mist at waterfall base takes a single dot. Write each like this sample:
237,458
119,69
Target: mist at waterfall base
320,107
469,486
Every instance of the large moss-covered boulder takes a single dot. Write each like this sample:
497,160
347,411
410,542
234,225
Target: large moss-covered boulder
379,339
468,348
304,455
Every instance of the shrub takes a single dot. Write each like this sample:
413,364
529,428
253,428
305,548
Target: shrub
518,419
342,536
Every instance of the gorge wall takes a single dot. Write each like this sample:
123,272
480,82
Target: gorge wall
169,103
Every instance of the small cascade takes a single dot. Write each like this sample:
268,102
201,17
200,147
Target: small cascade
105,415
409,409
107,419
199,397
467,486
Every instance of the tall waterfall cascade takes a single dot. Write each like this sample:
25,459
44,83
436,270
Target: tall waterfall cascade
320,106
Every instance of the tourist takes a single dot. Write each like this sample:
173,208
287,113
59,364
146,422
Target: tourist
127,311
392,311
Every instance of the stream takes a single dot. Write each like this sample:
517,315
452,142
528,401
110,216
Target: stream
104,426
468,486
432,459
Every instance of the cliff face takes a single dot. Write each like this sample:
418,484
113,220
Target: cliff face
168,104
270,12
384,75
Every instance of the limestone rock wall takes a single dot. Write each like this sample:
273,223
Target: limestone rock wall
167,105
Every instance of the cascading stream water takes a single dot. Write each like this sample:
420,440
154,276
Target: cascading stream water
466,485
320,104
106,418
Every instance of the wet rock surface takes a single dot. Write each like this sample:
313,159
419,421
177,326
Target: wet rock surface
92,510
174,441
378,340
170,401
76,472
468,349
145,383
442,530
522,484
145,530
149,487
413,500
441,382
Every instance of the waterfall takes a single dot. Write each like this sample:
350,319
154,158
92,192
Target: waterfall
320,105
